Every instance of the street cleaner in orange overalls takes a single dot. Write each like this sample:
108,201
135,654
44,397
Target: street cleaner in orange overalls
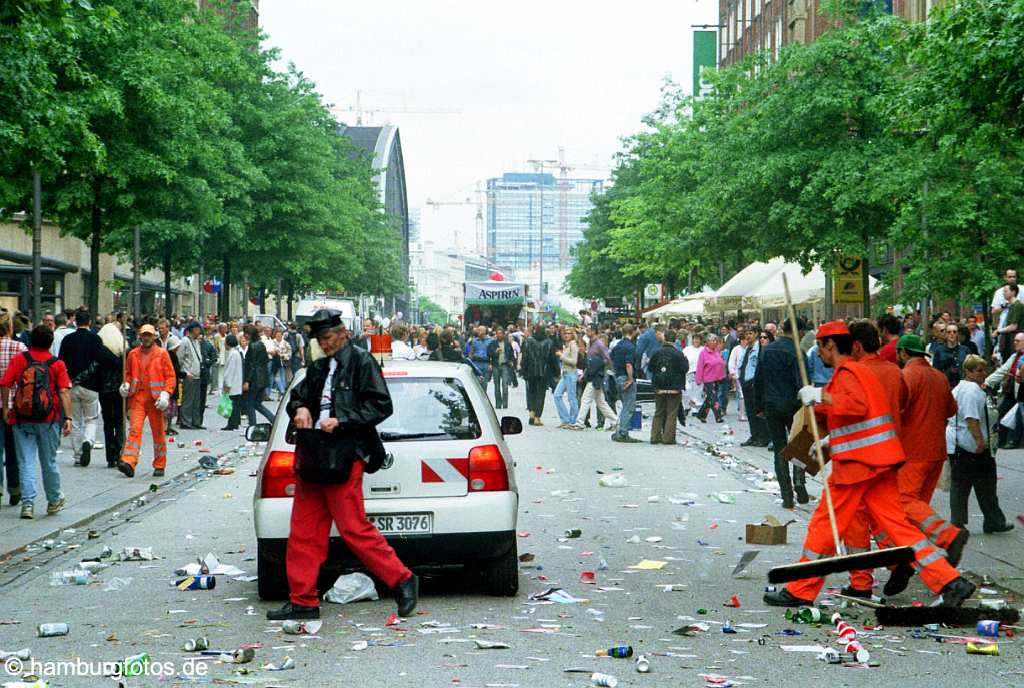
148,384
866,455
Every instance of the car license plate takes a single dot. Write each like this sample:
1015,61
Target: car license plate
403,524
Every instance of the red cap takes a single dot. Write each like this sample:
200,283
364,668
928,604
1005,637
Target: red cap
832,329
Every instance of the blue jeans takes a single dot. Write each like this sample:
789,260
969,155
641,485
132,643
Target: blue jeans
32,441
278,382
485,373
254,403
567,387
628,398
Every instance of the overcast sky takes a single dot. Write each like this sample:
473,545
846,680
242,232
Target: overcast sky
524,77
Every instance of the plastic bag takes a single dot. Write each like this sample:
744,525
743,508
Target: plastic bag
1009,421
351,588
225,407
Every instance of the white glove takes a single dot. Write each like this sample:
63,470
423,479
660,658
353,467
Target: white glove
163,402
810,395
124,389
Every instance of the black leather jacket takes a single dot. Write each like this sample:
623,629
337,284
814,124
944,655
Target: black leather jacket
360,400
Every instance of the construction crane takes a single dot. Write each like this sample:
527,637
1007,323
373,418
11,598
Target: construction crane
360,110
563,203
481,244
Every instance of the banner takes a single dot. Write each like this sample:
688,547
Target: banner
495,294
705,49
848,281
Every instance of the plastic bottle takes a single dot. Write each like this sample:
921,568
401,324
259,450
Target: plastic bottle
50,630
607,680
196,583
76,577
620,651
135,665
804,615
643,665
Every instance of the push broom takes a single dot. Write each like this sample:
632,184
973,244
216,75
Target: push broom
841,561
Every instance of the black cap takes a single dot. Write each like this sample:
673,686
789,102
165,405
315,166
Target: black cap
323,320
188,328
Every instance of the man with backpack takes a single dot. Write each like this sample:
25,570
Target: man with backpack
41,410
668,368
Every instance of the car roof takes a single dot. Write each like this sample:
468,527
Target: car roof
424,368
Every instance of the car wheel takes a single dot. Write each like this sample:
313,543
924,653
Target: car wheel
270,568
500,576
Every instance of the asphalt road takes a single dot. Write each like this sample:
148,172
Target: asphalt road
667,497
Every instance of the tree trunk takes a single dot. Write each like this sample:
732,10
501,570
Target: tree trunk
168,311
37,247
280,291
95,247
224,298
291,297
866,286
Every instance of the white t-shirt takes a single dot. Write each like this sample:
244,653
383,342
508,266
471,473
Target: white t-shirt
736,358
325,396
999,301
971,403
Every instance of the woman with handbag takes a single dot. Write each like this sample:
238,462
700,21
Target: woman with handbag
972,454
232,380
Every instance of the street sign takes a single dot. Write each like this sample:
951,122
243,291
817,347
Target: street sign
848,281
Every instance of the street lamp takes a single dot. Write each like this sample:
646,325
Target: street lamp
539,164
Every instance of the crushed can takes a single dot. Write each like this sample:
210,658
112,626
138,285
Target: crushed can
607,680
988,628
196,583
857,650
196,644
983,649
643,665
51,630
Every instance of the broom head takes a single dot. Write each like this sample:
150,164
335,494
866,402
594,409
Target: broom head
890,556
953,616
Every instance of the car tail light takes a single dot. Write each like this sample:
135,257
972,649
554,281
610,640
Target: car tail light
279,475
487,472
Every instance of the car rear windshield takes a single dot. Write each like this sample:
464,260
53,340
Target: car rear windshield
429,409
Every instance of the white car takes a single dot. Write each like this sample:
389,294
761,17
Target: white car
448,497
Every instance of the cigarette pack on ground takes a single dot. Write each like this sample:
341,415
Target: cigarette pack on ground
767,532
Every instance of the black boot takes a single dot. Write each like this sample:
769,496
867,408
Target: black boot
851,591
127,469
955,551
898,580
956,591
407,594
293,611
782,598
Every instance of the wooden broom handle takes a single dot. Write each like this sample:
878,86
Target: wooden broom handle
814,420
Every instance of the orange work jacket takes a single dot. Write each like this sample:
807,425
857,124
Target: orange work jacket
157,377
929,404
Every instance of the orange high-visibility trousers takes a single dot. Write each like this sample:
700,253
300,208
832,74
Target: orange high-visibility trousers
880,496
857,538
917,481
140,407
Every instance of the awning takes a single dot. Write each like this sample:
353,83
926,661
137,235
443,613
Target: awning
759,285
690,305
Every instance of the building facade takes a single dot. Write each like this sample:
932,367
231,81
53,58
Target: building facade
535,215
248,10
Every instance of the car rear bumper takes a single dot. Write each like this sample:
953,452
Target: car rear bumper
431,550
482,512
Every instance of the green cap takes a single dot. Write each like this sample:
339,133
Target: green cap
912,343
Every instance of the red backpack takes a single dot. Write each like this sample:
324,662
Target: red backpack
33,401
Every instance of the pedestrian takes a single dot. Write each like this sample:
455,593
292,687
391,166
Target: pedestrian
747,371
929,404
400,349
889,326
568,352
298,345
1011,320
865,455
38,412
190,362
711,375
502,359
776,384
257,376
206,368
282,363
733,367
977,335
646,345
598,360
624,367
537,351
63,325
111,403
87,361
9,348
668,368
316,402
972,459
149,385
232,380
1007,379
217,340
447,349
694,392
948,355
1000,314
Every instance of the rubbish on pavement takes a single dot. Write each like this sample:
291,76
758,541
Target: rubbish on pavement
588,577
654,539
50,630
360,646
643,665
745,560
649,565
286,664
117,584
691,629
599,679
613,480
987,627
830,655
619,651
352,587
989,603
243,655
733,602
38,683
768,532
137,554
91,565
816,649
804,615
491,645
672,587
722,498
196,583
207,461
727,627
951,616
134,665
573,533
634,540
983,649
23,655
196,644
292,627
857,650
76,577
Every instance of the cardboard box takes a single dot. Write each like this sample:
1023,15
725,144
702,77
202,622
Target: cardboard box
768,532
